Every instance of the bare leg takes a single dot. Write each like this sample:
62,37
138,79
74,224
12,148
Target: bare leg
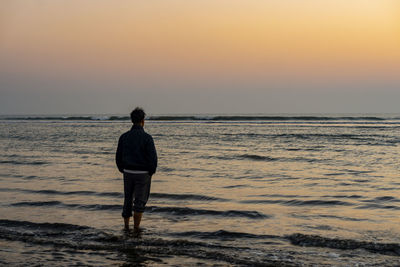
137,217
126,221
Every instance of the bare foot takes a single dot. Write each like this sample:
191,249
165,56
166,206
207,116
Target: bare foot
126,223
137,232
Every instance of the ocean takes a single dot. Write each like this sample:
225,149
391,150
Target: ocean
242,190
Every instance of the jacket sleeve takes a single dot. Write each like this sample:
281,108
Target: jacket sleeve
118,156
152,155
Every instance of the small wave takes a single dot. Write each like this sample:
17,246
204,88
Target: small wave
317,217
23,162
183,211
38,203
256,157
42,226
303,159
343,196
310,136
165,169
340,218
186,197
379,206
383,199
222,234
56,192
335,174
387,198
281,195
177,211
345,244
235,186
66,205
297,202
267,159
115,194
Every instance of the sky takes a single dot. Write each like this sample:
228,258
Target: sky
208,56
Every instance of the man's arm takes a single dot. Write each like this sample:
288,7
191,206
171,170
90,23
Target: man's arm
118,155
152,154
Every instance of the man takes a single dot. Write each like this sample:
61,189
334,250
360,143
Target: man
136,158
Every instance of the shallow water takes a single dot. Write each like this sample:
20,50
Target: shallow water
268,191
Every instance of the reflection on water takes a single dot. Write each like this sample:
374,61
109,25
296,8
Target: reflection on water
282,192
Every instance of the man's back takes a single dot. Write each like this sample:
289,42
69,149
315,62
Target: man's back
136,151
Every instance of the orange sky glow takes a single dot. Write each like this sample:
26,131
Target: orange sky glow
266,42
230,35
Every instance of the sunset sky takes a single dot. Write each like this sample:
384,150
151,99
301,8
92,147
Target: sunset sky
208,56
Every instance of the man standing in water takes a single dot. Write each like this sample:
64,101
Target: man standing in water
136,158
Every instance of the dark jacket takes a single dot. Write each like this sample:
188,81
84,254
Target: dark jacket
136,151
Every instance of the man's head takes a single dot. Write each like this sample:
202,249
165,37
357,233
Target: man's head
137,116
